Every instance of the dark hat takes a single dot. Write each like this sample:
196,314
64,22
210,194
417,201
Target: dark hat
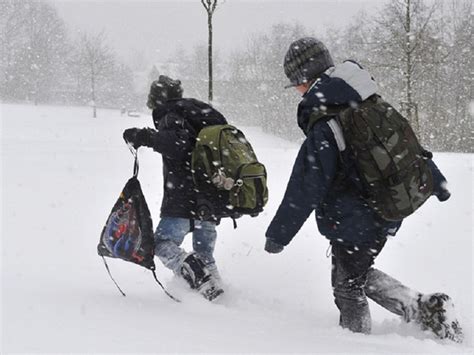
162,90
305,60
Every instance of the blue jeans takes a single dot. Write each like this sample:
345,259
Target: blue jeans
354,279
349,278
170,234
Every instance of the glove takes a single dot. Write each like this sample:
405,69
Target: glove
272,247
134,136
443,193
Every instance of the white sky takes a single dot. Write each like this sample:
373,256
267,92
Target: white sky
153,29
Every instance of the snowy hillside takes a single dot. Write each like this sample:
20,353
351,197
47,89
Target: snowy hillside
61,173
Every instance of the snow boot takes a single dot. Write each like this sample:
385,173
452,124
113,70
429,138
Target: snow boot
436,313
199,278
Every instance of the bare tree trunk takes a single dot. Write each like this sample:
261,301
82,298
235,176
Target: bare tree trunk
209,25
97,59
410,105
408,60
36,90
94,109
210,6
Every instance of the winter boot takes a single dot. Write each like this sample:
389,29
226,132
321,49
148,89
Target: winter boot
199,278
216,276
436,313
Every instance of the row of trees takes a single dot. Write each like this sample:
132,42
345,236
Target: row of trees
40,62
248,84
422,57
421,54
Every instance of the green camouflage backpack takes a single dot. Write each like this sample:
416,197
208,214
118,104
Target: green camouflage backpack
227,174
390,161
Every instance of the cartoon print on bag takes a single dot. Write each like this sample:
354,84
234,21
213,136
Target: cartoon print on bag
123,236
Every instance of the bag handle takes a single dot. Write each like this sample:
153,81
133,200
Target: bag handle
135,155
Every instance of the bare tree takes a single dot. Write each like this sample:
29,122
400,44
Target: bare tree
462,52
420,53
258,79
33,42
210,6
456,82
95,61
401,37
11,22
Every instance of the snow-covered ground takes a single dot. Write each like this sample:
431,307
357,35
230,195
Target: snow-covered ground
61,173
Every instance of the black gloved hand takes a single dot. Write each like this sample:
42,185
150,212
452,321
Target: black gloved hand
272,247
443,193
134,137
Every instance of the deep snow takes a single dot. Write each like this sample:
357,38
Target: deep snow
61,173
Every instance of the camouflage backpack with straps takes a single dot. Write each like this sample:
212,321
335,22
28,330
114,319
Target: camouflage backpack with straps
228,176
391,164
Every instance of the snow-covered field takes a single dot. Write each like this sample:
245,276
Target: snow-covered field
61,173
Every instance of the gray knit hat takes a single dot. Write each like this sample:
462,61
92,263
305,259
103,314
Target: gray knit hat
305,60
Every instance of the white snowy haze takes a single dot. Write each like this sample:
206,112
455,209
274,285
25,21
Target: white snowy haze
74,74
155,28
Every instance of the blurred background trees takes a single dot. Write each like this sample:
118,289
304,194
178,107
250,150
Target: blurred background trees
419,52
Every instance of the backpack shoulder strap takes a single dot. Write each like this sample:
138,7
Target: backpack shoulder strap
335,126
332,116
313,118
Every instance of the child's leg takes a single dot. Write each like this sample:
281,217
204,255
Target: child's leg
169,236
350,265
204,242
433,311
392,294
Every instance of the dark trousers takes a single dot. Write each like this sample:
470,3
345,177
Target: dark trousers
353,280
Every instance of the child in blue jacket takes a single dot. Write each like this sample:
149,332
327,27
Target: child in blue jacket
356,232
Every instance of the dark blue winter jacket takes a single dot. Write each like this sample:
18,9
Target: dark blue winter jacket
177,124
318,182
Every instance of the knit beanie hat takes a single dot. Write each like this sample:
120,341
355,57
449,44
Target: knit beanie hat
305,60
162,90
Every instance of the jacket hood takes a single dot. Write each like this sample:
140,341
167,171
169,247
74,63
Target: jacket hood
344,84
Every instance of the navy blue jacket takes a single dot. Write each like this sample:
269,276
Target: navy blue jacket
177,124
319,182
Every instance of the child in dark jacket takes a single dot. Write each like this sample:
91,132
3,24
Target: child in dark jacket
177,123
320,183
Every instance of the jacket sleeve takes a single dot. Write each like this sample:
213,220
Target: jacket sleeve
439,182
313,173
171,138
